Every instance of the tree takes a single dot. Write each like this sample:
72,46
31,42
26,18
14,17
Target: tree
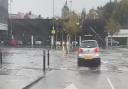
117,11
121,12
112,27
107,11
72,25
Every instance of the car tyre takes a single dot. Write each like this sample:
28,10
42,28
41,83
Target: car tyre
79,62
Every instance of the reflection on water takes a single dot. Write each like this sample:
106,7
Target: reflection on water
64,50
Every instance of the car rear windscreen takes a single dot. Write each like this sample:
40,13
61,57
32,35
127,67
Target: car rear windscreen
89,44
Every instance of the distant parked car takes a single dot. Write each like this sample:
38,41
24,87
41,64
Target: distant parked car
12,42
114,42
38,42
58,43
74,43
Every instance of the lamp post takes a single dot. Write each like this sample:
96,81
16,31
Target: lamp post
53,8
80,39
10,2
53,28
106,39
68,36
52,37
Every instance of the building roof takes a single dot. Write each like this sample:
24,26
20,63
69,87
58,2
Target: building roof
121,33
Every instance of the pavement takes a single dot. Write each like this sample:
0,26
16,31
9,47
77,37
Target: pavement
20,67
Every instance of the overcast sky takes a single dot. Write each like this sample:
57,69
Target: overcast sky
45,7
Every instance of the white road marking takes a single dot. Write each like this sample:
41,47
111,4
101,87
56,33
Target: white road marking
71,86
110,83
63,68
104,62
49,73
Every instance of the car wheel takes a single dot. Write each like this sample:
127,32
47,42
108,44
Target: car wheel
98,62
79,62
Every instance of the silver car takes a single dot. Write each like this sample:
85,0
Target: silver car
89,54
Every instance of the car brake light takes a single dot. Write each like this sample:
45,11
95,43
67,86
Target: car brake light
97,50
80,50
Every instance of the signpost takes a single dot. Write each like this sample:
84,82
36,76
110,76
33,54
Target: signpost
52,37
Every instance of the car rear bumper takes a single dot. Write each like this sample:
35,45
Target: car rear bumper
95,62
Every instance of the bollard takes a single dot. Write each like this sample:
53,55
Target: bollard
1,57
48,58
44,60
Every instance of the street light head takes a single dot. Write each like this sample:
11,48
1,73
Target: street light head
77,23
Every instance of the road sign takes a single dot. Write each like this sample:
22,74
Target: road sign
3,26
53,32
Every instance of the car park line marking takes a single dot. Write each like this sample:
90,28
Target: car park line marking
110,83
71,86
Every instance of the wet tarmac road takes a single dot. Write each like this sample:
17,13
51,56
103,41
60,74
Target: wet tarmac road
66,75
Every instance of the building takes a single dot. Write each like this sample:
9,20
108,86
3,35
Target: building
30,31
65,11
17,16
20,15
3,20
121,36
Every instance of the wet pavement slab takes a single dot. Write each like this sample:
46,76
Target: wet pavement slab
20,67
